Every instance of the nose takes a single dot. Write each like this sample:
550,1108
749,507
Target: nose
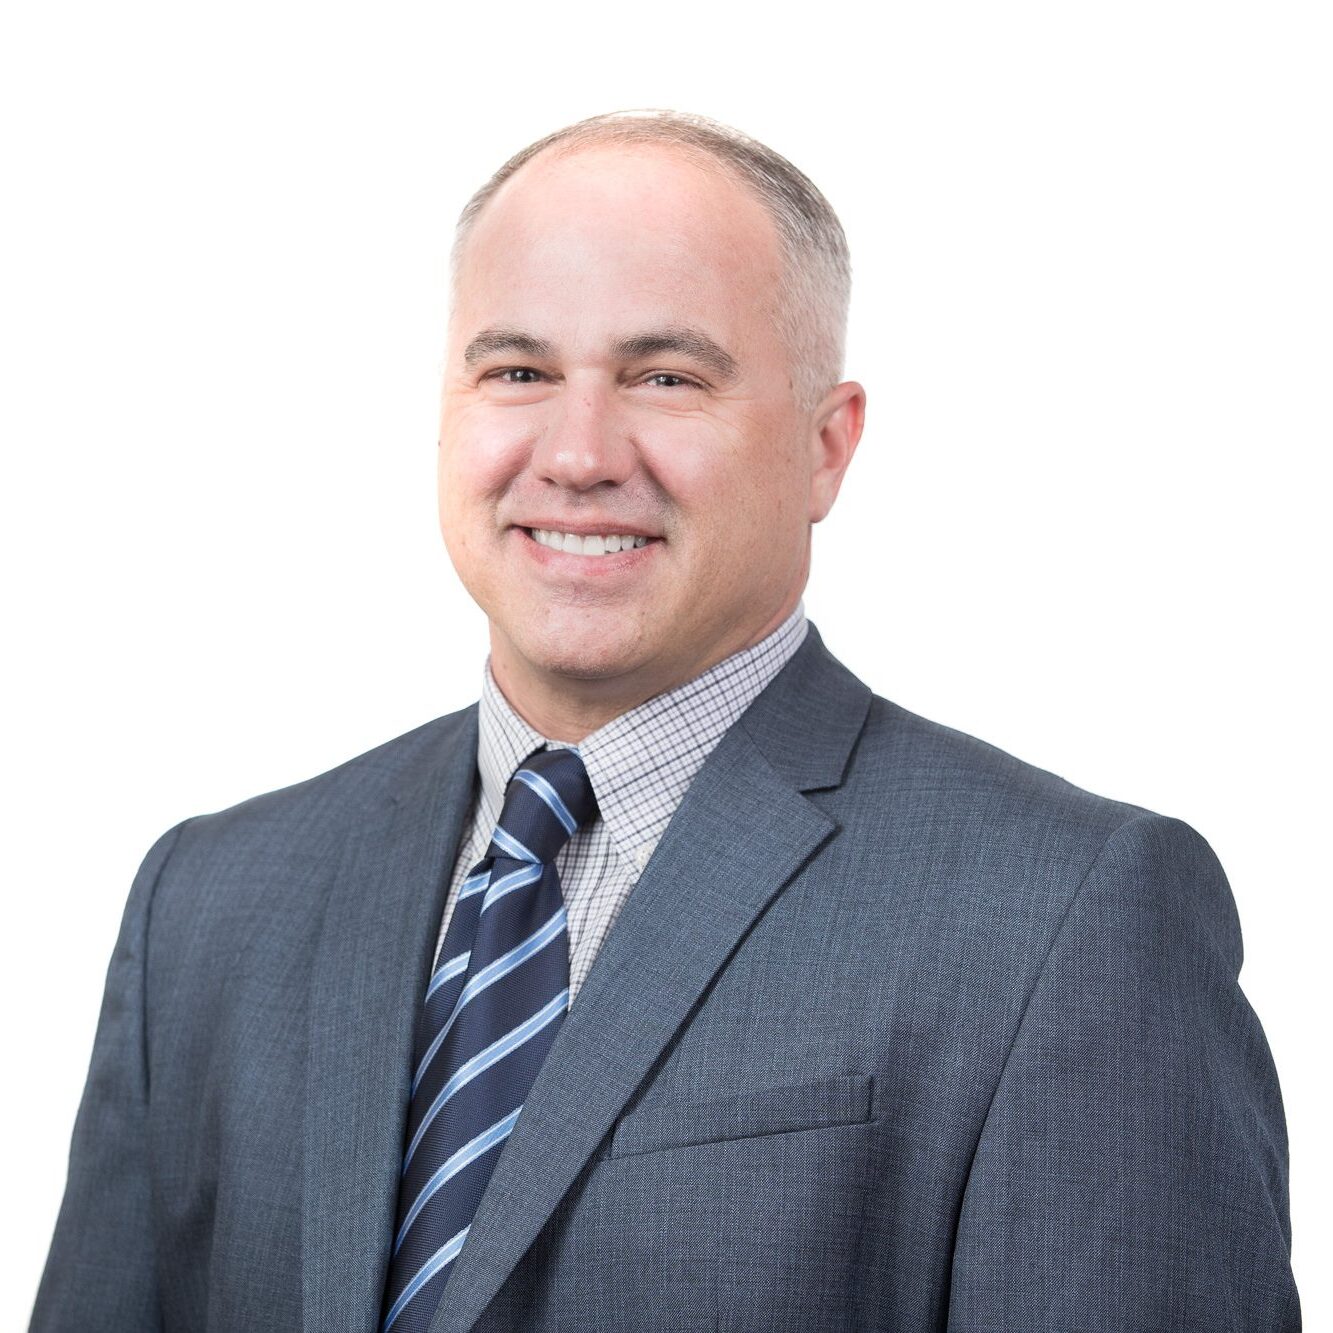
584,443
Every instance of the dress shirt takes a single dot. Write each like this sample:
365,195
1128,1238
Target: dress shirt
640,765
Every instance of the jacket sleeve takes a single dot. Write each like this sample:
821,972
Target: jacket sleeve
100,1269
1131,1173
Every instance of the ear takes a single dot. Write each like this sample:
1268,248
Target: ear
834,433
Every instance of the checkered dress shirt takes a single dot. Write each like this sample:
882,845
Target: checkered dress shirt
640,765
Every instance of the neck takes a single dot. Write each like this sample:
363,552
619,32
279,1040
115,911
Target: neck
569,708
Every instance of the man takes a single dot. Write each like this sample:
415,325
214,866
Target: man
682,983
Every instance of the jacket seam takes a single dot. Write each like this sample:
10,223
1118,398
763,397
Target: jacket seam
1056,936
143,959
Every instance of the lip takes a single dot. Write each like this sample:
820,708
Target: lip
587,566
589,527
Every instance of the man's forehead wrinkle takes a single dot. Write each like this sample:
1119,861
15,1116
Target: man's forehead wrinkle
490,341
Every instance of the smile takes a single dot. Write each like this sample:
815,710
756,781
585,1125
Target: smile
573,543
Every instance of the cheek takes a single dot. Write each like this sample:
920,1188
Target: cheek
698,463
743,483
480,454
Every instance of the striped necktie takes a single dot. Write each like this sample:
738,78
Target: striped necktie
493,1008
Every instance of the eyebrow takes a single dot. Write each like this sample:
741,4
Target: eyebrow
684,342
491,341
674,338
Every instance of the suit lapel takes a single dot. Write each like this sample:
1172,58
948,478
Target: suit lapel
375,951
740,834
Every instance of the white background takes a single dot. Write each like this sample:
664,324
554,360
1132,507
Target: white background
1087,521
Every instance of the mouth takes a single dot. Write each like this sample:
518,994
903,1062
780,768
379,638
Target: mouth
595,545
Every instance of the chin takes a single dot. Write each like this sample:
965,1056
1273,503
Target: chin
592,657
580,642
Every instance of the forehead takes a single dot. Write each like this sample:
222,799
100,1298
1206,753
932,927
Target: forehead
626,229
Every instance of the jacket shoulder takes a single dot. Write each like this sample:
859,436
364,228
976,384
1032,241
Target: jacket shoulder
980,836
927,768
321,806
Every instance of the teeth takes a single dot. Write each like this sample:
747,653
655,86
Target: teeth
596,544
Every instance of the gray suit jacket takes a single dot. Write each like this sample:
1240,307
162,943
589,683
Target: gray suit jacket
895,1032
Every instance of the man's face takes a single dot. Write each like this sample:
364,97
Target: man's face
615,371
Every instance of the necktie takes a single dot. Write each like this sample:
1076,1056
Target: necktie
493,1007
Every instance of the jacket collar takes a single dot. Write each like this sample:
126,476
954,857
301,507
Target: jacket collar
641,763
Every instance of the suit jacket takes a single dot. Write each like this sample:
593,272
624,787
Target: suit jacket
895,1032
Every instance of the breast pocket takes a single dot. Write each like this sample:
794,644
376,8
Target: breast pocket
840,1099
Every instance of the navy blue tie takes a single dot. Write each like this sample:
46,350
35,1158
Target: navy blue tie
493,1008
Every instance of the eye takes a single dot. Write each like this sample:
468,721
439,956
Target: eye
516,371
678,380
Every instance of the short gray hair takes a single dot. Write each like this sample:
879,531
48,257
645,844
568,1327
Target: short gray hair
817,275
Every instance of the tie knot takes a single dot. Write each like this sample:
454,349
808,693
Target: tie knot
548,797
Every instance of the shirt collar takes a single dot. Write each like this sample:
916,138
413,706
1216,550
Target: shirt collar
640,763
